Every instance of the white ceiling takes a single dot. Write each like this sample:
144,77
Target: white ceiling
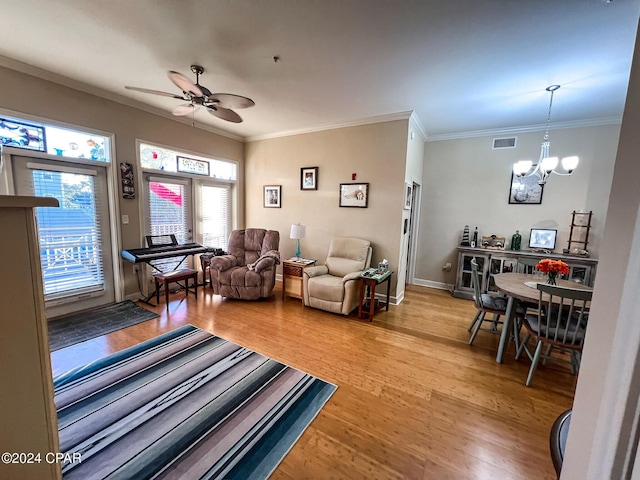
463,66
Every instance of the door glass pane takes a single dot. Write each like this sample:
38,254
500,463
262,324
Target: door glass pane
168,213
166,210
70,236
215,221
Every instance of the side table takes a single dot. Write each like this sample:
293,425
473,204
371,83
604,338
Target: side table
292,282
205,263
369,280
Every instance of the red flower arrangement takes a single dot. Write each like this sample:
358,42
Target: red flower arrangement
552,268
547,265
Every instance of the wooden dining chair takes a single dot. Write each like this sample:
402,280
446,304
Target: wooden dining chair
560,328
485,303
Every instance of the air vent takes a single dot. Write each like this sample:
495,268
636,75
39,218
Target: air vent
509,142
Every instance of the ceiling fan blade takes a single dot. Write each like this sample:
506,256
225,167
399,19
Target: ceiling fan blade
155,92
224,114
184,83
229,100
183,110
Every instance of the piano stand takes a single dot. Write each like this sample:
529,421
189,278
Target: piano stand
175,276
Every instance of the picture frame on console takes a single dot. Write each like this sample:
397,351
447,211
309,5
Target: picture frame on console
354,195
272,196
525,190
309,178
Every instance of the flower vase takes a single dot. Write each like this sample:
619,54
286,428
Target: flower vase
551,278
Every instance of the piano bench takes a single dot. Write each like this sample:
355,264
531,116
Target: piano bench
165,278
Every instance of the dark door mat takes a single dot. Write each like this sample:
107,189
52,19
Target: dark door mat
88,324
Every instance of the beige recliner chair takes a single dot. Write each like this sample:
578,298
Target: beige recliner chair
335,286
248,272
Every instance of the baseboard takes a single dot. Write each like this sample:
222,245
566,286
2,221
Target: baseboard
431,284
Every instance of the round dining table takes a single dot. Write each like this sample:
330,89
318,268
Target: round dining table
521,287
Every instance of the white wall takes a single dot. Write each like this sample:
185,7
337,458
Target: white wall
466,182
376,153
606,400
413,174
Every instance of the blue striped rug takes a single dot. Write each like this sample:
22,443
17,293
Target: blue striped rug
184,405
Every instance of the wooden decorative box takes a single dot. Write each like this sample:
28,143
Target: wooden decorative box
493,243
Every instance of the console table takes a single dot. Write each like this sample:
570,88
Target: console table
582,270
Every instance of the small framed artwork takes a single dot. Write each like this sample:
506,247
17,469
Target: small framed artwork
408,195
525,190
272,196
309,178
354,195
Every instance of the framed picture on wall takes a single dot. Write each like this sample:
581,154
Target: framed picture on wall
272,196
309,178
354,195
525,190
408,195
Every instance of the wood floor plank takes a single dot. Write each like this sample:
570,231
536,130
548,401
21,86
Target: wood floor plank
414,400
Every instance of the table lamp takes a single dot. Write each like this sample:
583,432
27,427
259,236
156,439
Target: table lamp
297,232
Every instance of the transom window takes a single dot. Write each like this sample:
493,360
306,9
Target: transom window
164,159
53,140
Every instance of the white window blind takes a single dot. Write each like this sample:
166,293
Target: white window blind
168,212
215,215
70,236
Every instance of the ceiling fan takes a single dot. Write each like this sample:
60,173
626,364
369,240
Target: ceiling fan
217,104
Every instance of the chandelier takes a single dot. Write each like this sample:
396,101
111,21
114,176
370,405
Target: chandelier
546,164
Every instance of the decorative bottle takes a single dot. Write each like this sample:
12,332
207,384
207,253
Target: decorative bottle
474,242
516,240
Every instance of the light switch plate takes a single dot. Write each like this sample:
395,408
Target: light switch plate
125,219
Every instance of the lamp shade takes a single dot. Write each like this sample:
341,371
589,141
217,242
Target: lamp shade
298,231
570,163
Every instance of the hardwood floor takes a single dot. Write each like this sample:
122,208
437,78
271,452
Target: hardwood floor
413,401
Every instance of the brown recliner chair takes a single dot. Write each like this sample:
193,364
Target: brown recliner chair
248,271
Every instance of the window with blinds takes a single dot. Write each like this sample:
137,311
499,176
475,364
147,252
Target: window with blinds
169,212
215,215
70,236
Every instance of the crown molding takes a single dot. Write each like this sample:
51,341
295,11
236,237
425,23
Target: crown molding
593,122
351,123
415,122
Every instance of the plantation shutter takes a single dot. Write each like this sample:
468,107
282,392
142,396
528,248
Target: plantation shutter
215,215
70,236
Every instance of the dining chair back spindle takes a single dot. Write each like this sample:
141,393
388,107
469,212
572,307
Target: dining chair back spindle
526,265
560,323
485,303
